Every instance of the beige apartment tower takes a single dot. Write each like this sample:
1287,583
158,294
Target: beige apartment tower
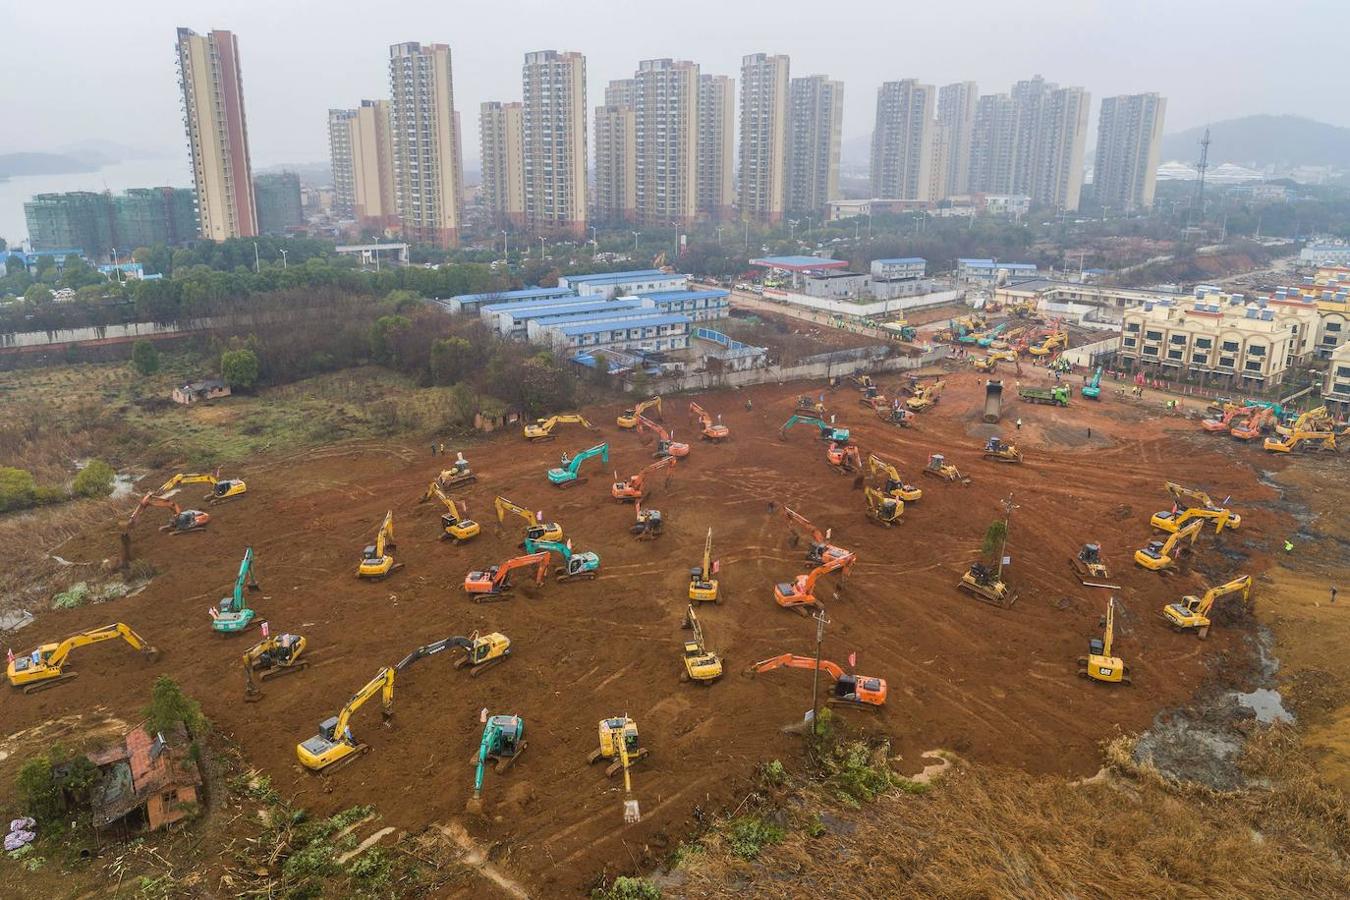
716,147
217,132
666,134
902,141
615,163
764,129
554,127
1049,142
501,130
815,136
340,161
1129,147
956,121
993,145
373,199
427,177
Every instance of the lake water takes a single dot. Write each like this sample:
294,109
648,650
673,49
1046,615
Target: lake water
19,189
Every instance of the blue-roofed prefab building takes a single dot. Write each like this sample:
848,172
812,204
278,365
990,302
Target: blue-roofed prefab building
654,333
471,303
988,269
614,284
700,306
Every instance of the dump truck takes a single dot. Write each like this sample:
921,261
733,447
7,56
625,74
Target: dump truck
1056,396
993,400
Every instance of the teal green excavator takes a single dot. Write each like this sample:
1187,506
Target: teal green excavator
1093,389
234,613
566,474
827,432
575,564
503,741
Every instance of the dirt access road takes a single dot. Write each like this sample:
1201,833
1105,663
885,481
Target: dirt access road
997,686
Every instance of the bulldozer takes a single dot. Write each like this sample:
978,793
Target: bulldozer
44,667
376,561
503,742
272,657
701,665
862,691
458,473
1090,569
938,467
882,509
987,584
1000,450
895,485
536,528
490,584
702,585
926,396
628,418
1099,664
455,526
1192,613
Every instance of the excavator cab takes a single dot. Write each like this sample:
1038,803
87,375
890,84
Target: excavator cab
486,651
185,521
374,564
609,730
860,690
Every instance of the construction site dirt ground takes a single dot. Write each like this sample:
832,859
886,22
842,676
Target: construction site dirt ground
996,686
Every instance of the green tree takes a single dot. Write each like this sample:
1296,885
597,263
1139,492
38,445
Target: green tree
169,706
38,294
156,260
41,795
94,480
451,360
145,358
18,489
382,335
239,368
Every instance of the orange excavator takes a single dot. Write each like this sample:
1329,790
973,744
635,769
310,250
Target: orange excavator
1254,426
489,584
863,691
635,487
1222,423
801,592
666,445
846,459
182,520
820,548
712,431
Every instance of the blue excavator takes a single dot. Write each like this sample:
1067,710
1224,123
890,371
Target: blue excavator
566,474
827,432
575,564
1093,389
503,741
234,613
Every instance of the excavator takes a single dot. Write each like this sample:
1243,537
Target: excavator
335,747
481,651
542,429
1053,341
863,691
180,521
575,565
566,475
702,584
272,657
628,419
234,614
895,485
882,509
1090,569
926,396
1312,420
1000,450
1255,425
536,529
713,431
666,445
648,524
376,562
1158,555
458,473
488,585
819,548
987,338
635,487
1093,389
454,525
619,744
846,459
503,742
938,467
222,489
1099,664
44,667
1302,440
1224,421
1189,504
701,665
1192,613
827,432
800,592
984,363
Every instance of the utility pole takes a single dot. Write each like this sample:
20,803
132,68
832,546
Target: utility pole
821,622
1008,507
257,265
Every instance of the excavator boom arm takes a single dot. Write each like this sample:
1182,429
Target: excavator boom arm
798,522
382,683
788,660
538,560
95,636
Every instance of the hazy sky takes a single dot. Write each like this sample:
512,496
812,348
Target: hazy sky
75,69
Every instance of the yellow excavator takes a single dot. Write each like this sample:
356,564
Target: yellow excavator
44,667
542,429
1189,504
702,584
536,528
628,419
1162,555
454,525
1315,419
335,746
376,561
619,744
926,396
1099,664
701,665
481,651
221,488
1090,569
272,657
1302,440
895,485
882,509
1192,613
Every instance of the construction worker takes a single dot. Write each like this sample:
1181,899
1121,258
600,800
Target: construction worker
1288,546
748,405
1019,423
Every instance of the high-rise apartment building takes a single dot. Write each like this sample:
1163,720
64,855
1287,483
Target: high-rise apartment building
902,141
427,177
615,163
956,115
340,162
213,108
277,195
763,150
993,145
362,153
501,131
1051,134
621,92
99,223
815,135
666,135
716,146
554,128
1129,145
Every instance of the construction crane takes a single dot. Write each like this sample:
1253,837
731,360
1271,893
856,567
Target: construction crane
44,667
702,584
628,419
938,467
882,509
335,747
458,473
454,525
1000,450
819,548
1258,423
376,561
574,564
713,431
542,429
222,489
800,593
926,396
568,473
1158,555
845,459
1302,440
1189,504
895,485
1093,389
233,614
1192,613
180,521
701,665
648,523
536,528
272,657
827,431
503,742
620,745
863,691
635,487
666,445
1090,569
489,584
1099,664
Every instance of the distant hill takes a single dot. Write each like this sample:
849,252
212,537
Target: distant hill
318,174
1264,140
42,164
